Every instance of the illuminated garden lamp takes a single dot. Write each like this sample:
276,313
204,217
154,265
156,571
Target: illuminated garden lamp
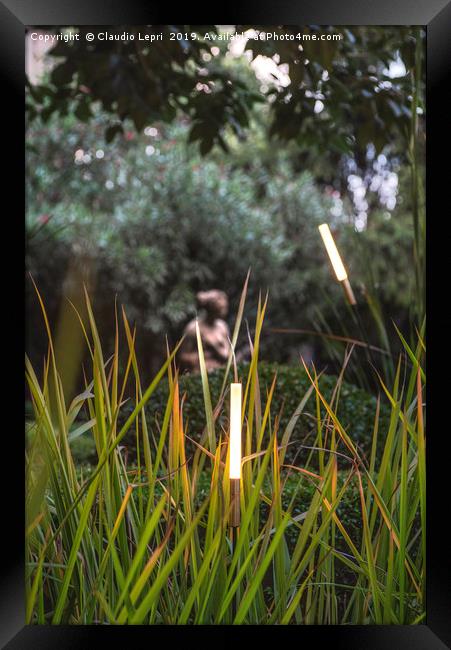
235,454
337,263
342,278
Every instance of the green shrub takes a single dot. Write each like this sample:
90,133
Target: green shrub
356,408
157,228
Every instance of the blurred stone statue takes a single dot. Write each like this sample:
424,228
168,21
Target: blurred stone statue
214,332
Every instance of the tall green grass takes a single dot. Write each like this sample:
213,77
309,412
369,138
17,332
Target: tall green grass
144,545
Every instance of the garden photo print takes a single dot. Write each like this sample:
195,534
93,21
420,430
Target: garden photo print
225,325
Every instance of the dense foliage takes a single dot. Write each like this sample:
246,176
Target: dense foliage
347,72
152,222
338,538
127,485
356,409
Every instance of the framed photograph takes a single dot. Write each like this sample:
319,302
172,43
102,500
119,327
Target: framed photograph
228,268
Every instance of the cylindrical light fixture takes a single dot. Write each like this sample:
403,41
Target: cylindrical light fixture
342,278
337,263
235,453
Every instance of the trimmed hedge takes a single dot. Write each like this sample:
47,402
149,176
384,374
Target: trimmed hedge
356,409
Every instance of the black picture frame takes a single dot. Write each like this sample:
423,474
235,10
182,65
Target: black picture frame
435,15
